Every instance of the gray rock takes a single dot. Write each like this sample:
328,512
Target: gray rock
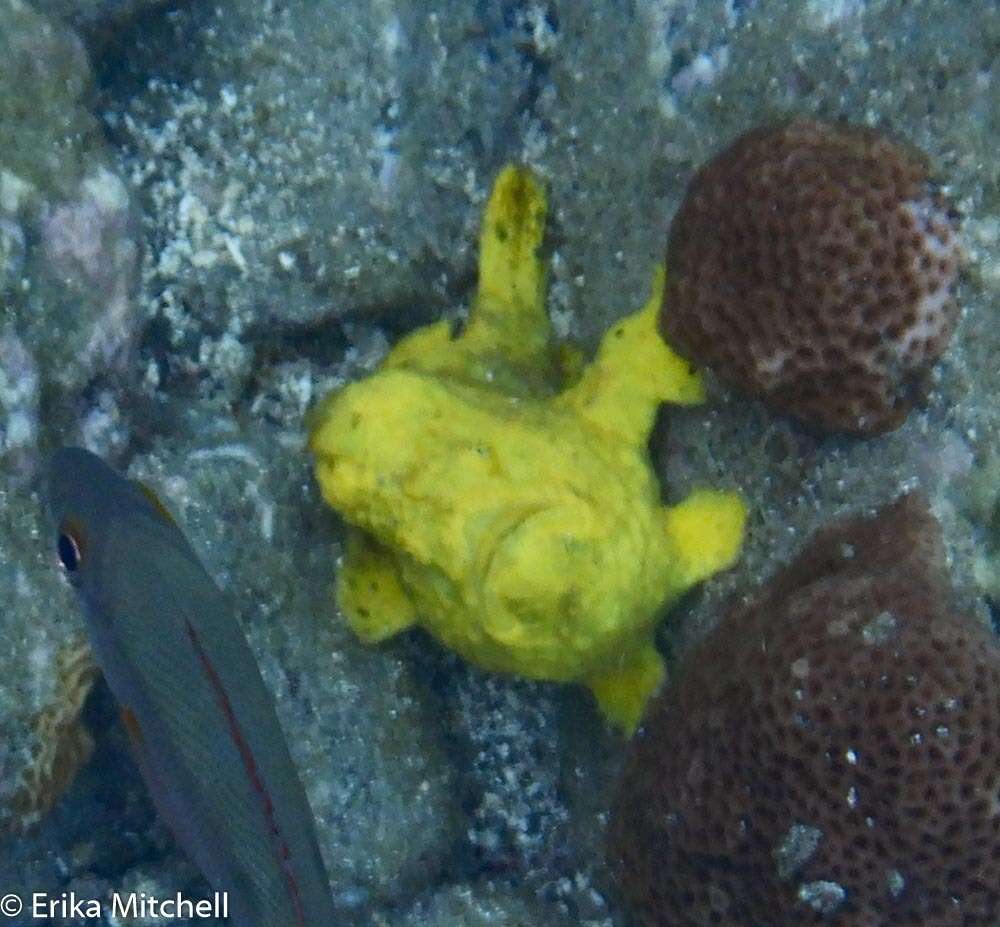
19,401
313,166
68,251
98,20
536,764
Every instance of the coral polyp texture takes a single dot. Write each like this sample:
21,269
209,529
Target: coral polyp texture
503,497
830,753
813,266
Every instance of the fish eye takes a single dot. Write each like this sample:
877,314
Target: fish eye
70,548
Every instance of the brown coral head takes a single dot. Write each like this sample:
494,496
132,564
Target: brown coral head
829,755
813,266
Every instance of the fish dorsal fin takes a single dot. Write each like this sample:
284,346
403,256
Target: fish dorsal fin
634,371
157,503
508,315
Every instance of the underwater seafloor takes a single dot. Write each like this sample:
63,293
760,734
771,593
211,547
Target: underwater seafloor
211,214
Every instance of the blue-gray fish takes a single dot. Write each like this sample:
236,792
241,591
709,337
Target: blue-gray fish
204,728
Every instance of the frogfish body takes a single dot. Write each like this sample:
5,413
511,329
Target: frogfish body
501,495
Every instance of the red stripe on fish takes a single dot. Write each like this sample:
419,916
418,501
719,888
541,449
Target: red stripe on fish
250,765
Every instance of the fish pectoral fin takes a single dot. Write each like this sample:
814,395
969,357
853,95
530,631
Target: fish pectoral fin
369,592
141,754
622,690
131,724
151,775
707,530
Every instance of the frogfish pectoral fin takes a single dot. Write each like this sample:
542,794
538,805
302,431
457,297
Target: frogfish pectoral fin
622,690
707,531
369,592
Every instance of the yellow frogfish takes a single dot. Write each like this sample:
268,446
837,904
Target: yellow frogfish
500,494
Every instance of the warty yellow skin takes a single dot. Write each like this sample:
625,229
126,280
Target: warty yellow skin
516,517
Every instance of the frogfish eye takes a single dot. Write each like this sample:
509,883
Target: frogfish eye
70,548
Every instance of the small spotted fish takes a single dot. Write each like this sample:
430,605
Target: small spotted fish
203,725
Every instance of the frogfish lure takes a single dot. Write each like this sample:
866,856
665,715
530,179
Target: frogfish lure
203,725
